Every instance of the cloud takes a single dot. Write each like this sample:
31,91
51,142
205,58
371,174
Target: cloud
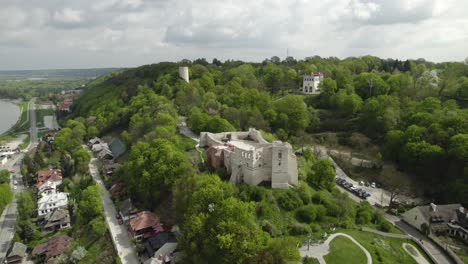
134,32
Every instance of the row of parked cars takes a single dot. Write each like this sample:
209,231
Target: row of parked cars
350,187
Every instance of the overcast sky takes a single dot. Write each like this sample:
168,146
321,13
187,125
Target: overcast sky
44,34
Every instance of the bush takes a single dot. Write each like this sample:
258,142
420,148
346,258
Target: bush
298,229
385,226
306,214
289,200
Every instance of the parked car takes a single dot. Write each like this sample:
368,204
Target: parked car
373,185
15,182
365,195
367,184
361,183
120,221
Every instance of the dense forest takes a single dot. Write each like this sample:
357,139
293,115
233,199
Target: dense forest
414,111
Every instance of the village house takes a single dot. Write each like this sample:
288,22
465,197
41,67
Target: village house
310,83
451,219
57,219
144,225
43,176
167,254
52,248
47,187
127,210
250,159
50,201
65,106
154,243
16,254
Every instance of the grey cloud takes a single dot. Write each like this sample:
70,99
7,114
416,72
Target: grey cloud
133,32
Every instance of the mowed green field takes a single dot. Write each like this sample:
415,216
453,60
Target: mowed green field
343,250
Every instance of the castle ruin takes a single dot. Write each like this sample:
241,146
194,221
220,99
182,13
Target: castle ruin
251,159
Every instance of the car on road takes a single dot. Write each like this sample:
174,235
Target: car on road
373,185
15,182
365,195
120,221
361,183
367,184
14,187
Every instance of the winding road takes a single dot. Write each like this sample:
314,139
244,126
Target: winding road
321,250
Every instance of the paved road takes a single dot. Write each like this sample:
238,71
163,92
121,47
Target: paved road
32,119
184,130
321,250
120,236
10,213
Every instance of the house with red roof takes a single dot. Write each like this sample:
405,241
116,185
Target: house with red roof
144,225
54,175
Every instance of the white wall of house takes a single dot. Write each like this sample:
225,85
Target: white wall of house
49,201
310,83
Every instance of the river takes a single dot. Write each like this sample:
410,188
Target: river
9,115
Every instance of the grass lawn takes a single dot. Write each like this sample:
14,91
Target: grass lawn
385,249
25,143
343,250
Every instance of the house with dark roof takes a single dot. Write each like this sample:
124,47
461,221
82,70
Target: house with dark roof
127,210
154,243
16,254
144,225
449,219
58,219
52,248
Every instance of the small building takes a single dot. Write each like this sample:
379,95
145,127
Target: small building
16,254
144,225
127,210
54,175
165,255
58,219
154,243
52,248
65,106
310,83
50,201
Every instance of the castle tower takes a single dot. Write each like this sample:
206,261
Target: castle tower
184,73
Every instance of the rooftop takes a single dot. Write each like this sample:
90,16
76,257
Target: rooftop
144,220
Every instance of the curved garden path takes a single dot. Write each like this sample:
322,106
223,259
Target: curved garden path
415,254
320,250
